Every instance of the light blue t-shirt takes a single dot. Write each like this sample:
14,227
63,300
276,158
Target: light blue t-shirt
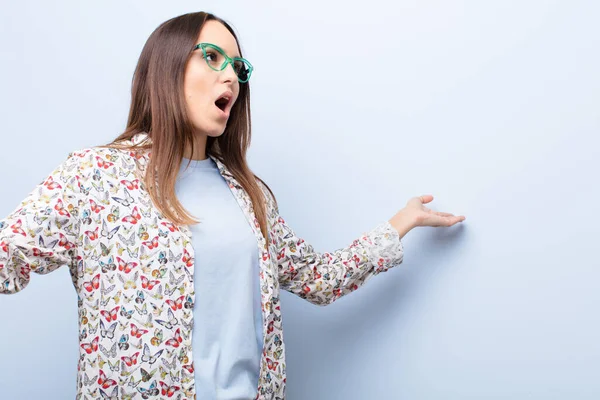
227,334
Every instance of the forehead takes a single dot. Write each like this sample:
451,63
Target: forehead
216,33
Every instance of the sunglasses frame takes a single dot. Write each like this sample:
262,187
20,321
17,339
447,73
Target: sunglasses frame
228,60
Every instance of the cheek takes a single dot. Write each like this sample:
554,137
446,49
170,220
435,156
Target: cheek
196,93
195,97
194,103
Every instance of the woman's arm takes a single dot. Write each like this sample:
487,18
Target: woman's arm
41,234
322,278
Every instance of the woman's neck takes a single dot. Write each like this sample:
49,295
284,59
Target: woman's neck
199,149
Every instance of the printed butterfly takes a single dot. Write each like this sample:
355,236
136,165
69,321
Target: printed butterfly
167,390
93,284
92,346
110,315
147,357
105,383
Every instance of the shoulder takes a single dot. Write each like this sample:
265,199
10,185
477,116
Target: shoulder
95,161
104,157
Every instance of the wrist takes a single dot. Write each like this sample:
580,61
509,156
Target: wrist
402,222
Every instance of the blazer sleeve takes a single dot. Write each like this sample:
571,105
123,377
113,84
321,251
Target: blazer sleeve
322,278
41,234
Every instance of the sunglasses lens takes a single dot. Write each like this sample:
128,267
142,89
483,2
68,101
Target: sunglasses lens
242,70
216,59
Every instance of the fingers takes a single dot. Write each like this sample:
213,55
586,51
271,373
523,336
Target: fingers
444,214
426,198
456,220
440,219
450,219
437,220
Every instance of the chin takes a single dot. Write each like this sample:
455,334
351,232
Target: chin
214,131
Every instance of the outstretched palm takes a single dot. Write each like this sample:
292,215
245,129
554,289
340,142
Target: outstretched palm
423,216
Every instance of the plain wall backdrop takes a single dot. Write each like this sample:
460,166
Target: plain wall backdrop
491,106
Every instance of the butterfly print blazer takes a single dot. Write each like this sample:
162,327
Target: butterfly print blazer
133,271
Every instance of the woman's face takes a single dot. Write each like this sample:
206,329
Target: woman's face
203,85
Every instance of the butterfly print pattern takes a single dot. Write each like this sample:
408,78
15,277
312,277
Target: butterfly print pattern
133,272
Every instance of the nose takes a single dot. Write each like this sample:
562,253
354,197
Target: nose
229,74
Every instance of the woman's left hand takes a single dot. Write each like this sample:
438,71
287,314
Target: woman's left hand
416,214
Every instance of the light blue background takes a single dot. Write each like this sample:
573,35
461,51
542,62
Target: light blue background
491,106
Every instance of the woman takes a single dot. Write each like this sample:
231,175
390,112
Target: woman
169,306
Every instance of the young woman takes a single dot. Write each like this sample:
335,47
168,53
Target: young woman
171,306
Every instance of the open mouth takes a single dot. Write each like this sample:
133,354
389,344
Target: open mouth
223,103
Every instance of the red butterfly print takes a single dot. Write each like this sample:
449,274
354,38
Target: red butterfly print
270,327
105,383
137,332
104,164
151,244
110,315
177,304
316,274
96,207
91,347
281,254
147,284
167,390
265,255
175,340
169,225
291,269
134,217
25,271
4,246
272,364
92,235
63,242
131,184
50,184
126,266
129,361
189,261
16,228
189,368
93,284
39,253
61,209
137,155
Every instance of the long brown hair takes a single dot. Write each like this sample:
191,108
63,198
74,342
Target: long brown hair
158,109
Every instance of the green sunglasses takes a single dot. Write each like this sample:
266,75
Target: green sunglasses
216,59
